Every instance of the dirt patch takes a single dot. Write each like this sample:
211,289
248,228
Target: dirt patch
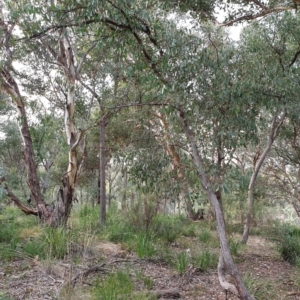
268,276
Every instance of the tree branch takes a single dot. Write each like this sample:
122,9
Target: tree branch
260,14
25,209
294,58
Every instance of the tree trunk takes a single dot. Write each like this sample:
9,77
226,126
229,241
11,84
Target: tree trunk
102,173
57,215
98,185
250,199
225,250
124,187
10,87
177,166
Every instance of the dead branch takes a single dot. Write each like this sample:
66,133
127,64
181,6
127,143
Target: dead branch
95,269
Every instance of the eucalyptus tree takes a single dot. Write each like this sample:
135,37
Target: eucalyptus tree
283,166
58,46
11,159
198,71
159,46
268,52
10,86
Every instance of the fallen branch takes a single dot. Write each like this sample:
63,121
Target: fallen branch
81,275
171,293
293,293
95,269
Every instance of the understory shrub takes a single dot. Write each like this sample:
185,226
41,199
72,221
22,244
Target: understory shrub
182,262
168,228
288,238
259,288
118,229
144,245
206,260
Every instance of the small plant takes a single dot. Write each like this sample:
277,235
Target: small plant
8,231
234,247
34,248
206,260
205,236
164,253
4,297
297,263
289,244
189,231
144,245
88,217
147,281
56,241
260,289
11,250
168,228
118,230
115,286
182,262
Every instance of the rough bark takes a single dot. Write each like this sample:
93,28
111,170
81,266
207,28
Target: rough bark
225,250
257,166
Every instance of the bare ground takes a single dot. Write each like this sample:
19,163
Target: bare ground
25,278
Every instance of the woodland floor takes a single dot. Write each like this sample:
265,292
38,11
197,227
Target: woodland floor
32,279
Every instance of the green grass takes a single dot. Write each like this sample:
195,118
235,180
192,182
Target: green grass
55,242
144,245
206,260
4,297
182,261
235,247
288,242
147,281
116,286
205,236
8,251
168,228
260,289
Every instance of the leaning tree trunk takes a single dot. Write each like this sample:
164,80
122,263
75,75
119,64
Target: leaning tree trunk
226,261
9,85
257,167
